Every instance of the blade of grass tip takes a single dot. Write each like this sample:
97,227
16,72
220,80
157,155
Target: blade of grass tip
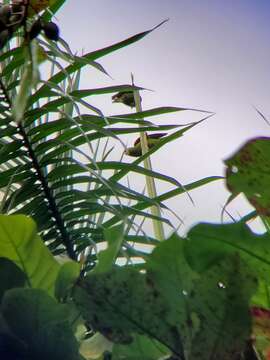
150,182
95,172
262,116
143,233
65,45
132,246
143,192
224,210
101,216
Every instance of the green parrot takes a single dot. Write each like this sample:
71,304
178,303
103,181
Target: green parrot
152,140
124,97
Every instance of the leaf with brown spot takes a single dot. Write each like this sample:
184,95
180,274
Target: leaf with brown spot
135,306
209,243
248,172
221,302
169,269
261,330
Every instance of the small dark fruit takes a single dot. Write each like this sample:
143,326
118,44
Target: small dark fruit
51,31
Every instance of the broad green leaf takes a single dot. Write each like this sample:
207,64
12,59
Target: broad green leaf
220,303
41,323
168,268
206,313
11,276
142,347
67,275
106,258
248,173
207,243
20,243
124,302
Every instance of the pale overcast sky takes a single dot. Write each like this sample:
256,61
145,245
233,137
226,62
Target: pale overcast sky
212,54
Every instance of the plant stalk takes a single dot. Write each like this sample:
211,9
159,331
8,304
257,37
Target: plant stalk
150,182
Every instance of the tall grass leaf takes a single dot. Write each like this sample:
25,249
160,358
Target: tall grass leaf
61,75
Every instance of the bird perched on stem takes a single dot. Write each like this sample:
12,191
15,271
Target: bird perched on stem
124,97
152,140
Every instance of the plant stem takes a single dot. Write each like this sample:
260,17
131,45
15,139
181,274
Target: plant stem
150,182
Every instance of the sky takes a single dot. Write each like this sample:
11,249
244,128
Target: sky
211,55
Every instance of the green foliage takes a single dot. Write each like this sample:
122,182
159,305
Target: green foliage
202,314
20,243
170,307
54,155
142,347
142,306
11,276
248,172
106,258
169,269
190,298
67,276
220,302
208,243
40,323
